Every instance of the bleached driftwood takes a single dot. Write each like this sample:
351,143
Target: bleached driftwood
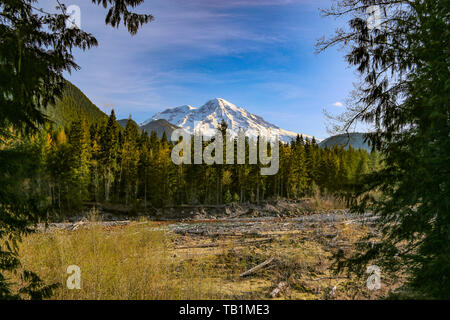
256,268
78,224
328,278
235,243
275,292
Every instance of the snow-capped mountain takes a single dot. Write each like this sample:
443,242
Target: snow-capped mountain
207,118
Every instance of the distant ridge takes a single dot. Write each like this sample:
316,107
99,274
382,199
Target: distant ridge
123,122
355,139
159,126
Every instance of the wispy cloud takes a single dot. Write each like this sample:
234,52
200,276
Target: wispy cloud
338,104
136,73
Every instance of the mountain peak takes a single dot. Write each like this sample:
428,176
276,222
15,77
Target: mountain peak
221,104
208,117
221,101
217,101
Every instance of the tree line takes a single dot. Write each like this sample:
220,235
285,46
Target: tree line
102,162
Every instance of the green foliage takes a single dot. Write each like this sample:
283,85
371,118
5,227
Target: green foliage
35,49
109,163
405,95
79,161
228,197
21,206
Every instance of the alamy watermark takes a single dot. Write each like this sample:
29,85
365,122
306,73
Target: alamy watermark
74,279
213,153
74,19
374,280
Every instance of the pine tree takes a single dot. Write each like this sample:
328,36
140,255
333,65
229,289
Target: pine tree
300,163
129,161
144,164
95,163
80,155
109,153
59,167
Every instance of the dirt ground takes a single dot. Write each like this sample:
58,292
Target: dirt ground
298,252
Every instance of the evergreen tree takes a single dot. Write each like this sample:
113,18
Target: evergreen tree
109,152
21,206
144,164
404,94
35,50
95,164
130,159
80,155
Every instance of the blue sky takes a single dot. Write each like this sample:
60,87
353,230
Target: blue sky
258,54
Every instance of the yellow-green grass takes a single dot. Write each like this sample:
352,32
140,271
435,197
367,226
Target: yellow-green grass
145,261
133,262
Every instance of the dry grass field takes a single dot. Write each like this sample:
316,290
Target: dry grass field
148,260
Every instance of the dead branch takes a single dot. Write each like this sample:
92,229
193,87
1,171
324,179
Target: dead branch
256,268
235,243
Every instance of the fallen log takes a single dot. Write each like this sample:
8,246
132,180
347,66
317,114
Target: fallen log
212,245
78,224
256,268
275,292
328,278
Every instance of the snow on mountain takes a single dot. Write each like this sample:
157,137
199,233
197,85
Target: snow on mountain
207,118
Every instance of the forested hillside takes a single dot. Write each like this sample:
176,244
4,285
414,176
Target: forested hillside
356,140
73,105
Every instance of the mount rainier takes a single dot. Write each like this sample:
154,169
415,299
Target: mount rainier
207,118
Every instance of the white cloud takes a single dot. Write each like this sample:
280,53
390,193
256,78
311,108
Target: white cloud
338,104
